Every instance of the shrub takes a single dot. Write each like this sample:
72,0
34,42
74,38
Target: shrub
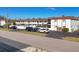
65,29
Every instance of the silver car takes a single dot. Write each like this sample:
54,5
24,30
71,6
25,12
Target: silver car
43,30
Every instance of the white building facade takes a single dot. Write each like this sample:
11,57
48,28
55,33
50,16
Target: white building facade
32,23
57,23
2,22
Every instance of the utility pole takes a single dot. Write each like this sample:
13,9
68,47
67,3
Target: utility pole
7,17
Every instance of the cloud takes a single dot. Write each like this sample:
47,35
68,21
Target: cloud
52,8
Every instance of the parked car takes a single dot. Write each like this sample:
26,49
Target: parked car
13,27
43,30
32,29
36,29
21,27
1,27
29,28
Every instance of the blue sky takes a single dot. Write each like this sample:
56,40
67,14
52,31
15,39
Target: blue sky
38,12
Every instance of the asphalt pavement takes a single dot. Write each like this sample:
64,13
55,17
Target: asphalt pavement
21,41
4,47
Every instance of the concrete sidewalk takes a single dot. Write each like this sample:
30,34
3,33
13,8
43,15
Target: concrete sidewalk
49,44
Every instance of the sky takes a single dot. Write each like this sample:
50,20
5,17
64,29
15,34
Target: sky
38,12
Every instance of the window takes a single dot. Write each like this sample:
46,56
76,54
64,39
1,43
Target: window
49,21
48,26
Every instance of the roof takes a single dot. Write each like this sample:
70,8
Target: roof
32,20
64,17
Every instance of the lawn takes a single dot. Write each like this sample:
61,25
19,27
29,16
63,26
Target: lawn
75,39
26,32
33,33
5,29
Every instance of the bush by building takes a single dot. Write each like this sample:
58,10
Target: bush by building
65,29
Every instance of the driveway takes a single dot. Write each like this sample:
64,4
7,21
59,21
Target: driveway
49,44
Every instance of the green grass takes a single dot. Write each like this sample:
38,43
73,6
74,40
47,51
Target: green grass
74,39
5,29
26,32
33,33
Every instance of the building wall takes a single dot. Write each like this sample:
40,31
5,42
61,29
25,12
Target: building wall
68,24
75,25
60,23
21,22
2,22
32,24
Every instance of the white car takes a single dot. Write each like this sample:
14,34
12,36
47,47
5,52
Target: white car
44,30
22,27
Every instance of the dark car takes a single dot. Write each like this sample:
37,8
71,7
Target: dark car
32,29
35,29
13,27
29,28
1,27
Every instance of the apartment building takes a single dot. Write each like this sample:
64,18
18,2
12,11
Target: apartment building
57,23
32,22
53,23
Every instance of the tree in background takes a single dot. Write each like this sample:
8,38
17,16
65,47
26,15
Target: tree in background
14,22
2,17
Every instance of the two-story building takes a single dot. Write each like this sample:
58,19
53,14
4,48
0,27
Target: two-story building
53,23
32,22
57,23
